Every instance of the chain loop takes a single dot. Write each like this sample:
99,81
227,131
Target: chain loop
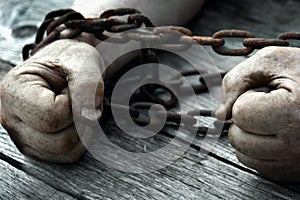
93,25
172,29
214,42
140,19
171,37
144,35
233,34
258,43
70,16
119,12
58,13
289,36
164,35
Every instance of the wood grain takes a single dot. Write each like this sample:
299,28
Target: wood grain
16,184
218,176
190,177
19,21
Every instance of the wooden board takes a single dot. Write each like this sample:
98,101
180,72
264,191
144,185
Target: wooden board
219,176
16,184
190,177
19,21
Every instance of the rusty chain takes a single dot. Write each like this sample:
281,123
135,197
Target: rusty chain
69,24
58,21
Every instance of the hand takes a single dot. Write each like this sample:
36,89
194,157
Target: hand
36,100
262,95
36,96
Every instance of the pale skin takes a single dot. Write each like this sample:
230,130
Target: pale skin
36,100
37,95
262,95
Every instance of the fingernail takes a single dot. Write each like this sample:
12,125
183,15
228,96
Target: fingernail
91,114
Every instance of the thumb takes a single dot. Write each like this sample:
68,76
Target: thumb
83,67
86,92
252,73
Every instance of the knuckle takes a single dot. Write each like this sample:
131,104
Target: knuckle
244,112
238,111
55,118
227,81
64,141
68,152
62,147
232,139
272,49
271,52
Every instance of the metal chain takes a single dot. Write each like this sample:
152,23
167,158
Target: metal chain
57,22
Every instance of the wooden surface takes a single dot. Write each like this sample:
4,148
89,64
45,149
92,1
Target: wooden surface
217,176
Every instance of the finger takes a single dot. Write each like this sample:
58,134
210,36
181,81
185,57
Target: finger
87,96
257,146
286,170
56,143
268,164
236,82
83,67
257,71
67,157
26,92
264,113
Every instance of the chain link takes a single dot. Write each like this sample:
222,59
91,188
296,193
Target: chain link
57,22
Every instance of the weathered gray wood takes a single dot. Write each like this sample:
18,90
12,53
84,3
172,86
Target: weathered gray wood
16,184
5,67
18,21
188,177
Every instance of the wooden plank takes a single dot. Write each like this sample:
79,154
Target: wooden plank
216,15
16,184
266,18
4,68
189,177
19,21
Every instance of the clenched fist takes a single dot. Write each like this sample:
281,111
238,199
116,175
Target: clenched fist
262,95
38,101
